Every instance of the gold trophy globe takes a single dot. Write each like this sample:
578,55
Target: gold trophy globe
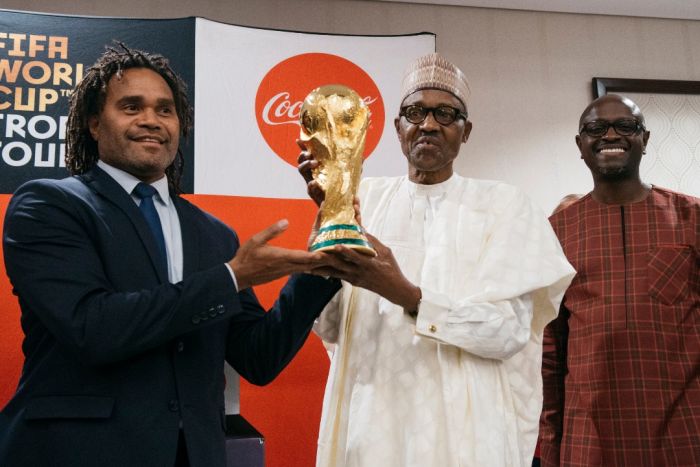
334,121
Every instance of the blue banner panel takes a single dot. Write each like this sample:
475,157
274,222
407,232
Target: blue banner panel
42,57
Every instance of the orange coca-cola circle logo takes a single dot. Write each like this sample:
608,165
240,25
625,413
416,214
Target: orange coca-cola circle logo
284,88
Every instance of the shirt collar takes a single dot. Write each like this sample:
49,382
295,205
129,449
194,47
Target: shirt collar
129,182
431,191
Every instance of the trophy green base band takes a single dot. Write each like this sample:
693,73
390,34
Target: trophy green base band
330,228
342,234
350,242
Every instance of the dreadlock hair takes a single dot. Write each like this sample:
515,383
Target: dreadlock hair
88,100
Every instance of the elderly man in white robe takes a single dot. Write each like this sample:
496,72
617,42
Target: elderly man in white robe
436,343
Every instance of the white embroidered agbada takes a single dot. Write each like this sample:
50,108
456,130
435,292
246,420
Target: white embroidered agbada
461,385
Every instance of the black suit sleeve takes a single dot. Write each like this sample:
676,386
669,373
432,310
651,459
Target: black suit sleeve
259,349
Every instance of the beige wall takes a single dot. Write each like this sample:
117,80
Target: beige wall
530,72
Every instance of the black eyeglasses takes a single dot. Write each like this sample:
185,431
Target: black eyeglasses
623,127
444,114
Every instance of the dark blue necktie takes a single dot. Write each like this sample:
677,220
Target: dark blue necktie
145,193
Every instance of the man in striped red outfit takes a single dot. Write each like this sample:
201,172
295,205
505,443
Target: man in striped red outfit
621,363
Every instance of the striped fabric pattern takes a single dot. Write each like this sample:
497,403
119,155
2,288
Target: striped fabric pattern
621,363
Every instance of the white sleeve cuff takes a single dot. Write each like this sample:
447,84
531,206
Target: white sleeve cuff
432,314
233,276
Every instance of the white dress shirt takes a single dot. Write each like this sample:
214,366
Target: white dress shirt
169,220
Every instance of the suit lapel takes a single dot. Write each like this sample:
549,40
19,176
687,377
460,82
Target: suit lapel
190,236
107,187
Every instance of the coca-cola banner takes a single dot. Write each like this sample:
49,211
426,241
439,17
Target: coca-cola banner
250,84
42,57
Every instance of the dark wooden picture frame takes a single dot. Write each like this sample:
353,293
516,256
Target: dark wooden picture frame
603,86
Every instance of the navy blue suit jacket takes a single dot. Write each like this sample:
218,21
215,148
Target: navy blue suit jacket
117,358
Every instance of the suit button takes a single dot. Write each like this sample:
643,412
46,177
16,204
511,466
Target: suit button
220,309
180,346
213,312
172,405
195,319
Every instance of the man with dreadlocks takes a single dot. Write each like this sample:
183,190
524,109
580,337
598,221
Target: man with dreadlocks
131,297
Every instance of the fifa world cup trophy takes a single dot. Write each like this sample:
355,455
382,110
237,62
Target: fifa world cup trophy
334,121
